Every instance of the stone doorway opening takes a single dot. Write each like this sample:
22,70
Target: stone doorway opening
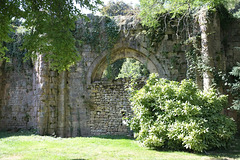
110,104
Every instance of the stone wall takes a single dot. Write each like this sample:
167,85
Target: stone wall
230,45
17,109
230,55
50,98
108,105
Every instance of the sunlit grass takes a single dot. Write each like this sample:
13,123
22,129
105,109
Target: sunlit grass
25,145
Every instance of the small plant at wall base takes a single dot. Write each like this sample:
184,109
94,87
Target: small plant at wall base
169,114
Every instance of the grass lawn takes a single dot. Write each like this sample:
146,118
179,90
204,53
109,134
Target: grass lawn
26,145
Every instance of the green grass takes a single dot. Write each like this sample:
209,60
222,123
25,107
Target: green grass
25,145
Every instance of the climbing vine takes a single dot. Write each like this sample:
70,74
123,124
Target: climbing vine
185,24
183,28
100,33
15,51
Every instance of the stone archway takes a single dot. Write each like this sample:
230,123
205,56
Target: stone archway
100,63
109,98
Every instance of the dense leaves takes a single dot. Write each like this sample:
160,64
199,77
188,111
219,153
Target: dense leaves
132,68
113,70
126,68
49,23
119,8
14,47
235,87
169,114
116,8
8,9
177,7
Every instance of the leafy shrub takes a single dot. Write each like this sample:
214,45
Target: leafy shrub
235,87
175,115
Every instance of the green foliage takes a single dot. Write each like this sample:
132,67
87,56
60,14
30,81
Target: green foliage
114,69
100,37
156,33
176,7
117,8
169,114
126,68
50,23
237,14
192,63
101,33
180,16
14,47
8,10
235,87
235,10
133,69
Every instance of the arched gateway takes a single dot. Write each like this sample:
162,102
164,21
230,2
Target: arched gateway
109,99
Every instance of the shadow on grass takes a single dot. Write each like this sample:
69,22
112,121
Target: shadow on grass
233,152
6,134
114,137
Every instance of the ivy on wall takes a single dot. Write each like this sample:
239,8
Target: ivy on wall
15,51
101,33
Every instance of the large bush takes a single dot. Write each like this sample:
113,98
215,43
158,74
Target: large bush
177,115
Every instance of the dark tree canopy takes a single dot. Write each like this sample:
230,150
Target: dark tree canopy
49,24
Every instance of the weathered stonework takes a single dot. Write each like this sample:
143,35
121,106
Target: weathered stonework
230,54
78,102
108,106
17,108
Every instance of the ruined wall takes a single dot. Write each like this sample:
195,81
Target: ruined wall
108,105
230,44
50,98
58,103
78,102
131,44
229,57
17,110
